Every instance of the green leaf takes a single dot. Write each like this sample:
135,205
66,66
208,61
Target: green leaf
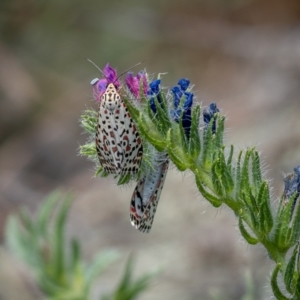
289,274
152,116
126,279
42,246
25,219
75,254
129,289
282,231
248,207
164,106
160,120
245,181
252,203
184,139
175,152
49,286
251,240
133,111
229,159
147,129
207,153
45,212
195,142
216,175
215,201
89,120
265,216
295,222
162,114
275,288
100,263
297,288
17,240
238,177
59,225
219,131
256,170
89,150
101,172
124,179
226,172
262,194
268,218
179,140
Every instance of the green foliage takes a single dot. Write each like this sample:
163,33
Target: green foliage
58,265
127,288
225,177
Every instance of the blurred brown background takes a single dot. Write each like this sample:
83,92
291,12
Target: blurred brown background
242,54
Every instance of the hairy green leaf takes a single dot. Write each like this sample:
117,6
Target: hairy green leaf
247,236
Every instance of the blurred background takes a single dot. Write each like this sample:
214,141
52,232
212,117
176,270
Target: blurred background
242,54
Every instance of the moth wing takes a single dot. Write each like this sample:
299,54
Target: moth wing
119,146
131,143
107,141
142,211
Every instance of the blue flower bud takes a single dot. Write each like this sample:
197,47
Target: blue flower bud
187,113
154,91
292,186
152,105
177,94
186,110
154,86
183,83
209,113
175,114
188,100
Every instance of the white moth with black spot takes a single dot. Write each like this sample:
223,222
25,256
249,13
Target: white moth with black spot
146,195
119,146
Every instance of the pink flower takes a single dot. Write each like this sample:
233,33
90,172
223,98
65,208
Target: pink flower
111,75
100,85
135,82
99,88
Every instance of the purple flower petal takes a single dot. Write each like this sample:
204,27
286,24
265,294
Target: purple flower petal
111,75
134,82
100,85
99,88
142,76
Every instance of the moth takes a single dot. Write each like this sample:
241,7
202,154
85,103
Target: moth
119,146
146,195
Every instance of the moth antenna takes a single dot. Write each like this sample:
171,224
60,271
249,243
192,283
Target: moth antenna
95,65
129,69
